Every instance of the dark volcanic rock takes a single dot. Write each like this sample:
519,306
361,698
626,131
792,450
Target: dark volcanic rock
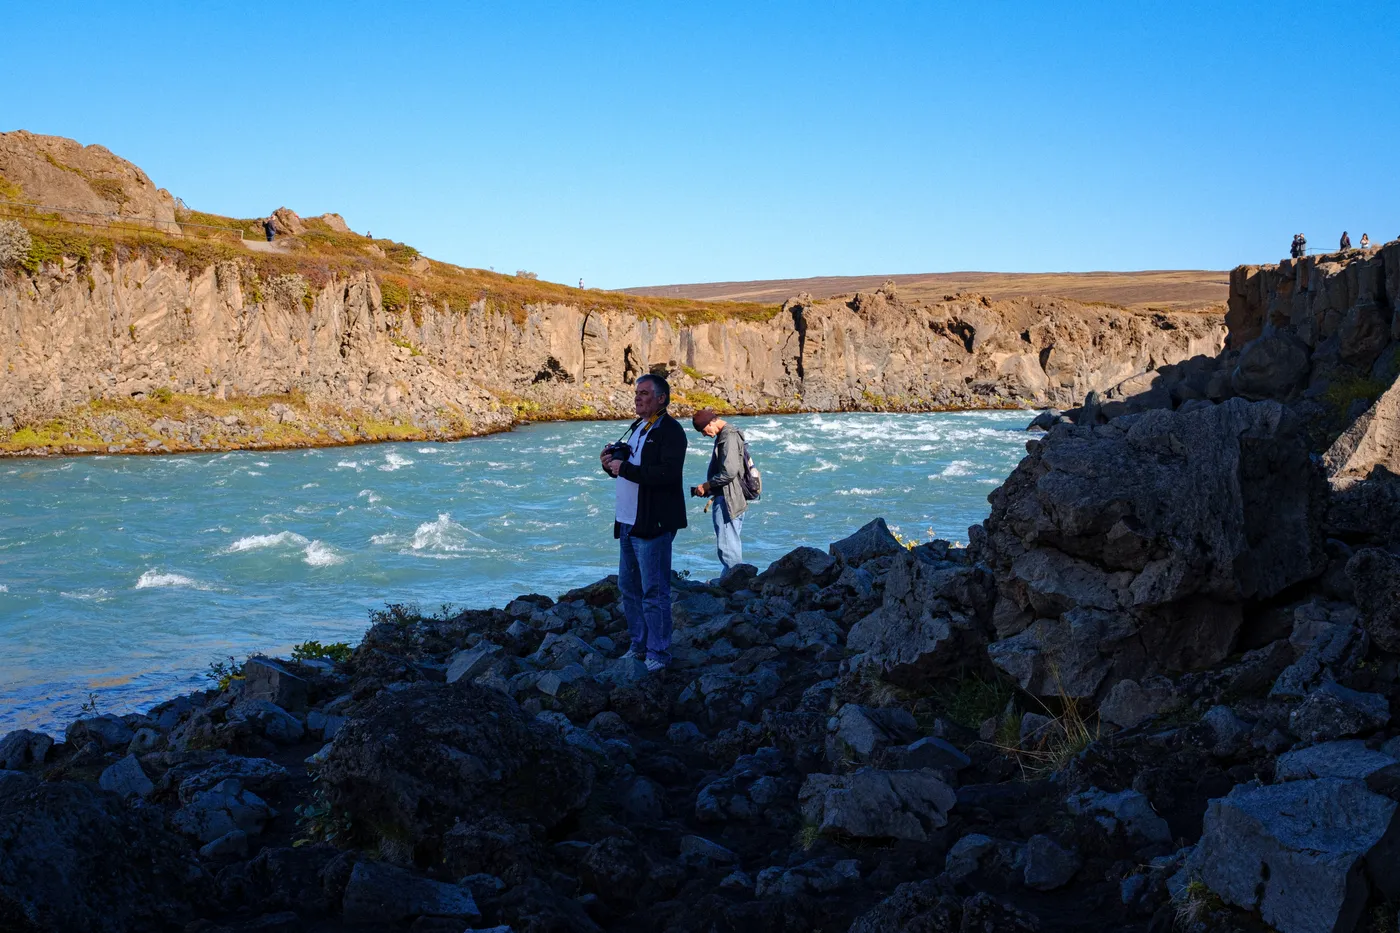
1375,578
416,761
928,624
73,858
1130,548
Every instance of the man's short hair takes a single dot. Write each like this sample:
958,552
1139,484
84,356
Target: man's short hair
703,417
660,383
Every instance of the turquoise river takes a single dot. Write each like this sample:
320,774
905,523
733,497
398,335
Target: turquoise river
122,578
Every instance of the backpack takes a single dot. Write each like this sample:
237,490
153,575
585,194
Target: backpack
749,480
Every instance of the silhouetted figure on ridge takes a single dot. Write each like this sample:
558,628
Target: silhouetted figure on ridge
1346,241
1365,241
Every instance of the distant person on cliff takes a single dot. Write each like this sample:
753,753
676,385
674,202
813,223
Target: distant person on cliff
1365,241
1295,251
724,485
269,229
1346,241
1302,246
648,462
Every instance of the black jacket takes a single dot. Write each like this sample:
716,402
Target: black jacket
661,498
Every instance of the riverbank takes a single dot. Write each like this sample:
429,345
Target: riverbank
172,423
1102,714
126,576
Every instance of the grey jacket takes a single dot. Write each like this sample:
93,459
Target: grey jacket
726,466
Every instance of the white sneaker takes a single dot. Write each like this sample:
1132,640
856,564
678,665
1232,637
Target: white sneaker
654,665
631,655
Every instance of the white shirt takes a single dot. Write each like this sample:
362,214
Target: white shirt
626,489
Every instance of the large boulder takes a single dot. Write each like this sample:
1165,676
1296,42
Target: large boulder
416,761
872,804
22,748
383,894
1272,366
798,568
1375,578
872,540
1128,549
929,622
73,858
266,679
1303,854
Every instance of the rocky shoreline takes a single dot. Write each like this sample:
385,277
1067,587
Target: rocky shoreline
1155,692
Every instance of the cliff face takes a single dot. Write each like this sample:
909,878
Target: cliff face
144,330
1323,333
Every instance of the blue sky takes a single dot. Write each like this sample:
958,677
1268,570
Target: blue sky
637,144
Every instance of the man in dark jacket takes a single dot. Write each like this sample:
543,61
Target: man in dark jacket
722,485
650,510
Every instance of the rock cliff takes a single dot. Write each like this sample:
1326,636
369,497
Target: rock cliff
76,333
116,341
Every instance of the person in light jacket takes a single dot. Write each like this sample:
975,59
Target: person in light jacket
722,485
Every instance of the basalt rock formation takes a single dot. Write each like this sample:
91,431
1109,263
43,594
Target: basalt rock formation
346,338
70,335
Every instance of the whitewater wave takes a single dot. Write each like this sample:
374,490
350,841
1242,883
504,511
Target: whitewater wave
155,578
257,542
958,468
349,465
368,494
321,555
442,539
4,588
429,450
394,461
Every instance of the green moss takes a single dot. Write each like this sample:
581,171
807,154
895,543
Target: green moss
972,700
1341,394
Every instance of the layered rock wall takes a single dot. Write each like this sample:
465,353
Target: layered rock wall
124,330
1323,332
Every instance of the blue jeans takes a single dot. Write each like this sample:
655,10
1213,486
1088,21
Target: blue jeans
644,577
730,548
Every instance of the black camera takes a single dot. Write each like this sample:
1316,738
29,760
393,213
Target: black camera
619,451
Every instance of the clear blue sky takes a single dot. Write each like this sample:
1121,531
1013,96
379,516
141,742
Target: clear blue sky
636,144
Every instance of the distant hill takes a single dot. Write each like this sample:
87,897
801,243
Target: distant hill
1176,290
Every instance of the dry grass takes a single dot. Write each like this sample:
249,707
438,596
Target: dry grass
1165,290
321,254
1068,733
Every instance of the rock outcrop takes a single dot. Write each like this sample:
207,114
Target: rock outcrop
1132,548
116,332
346,344
86,180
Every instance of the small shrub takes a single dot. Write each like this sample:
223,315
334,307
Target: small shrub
1195,902
15,244
522,274
89,707
224,671
318,822
162,394
1340,394
337,651
290,288
394,295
